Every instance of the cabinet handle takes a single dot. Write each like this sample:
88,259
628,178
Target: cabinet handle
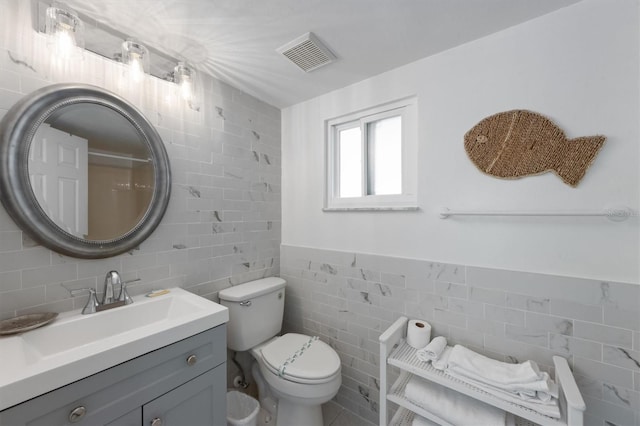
77,414
191,360
156,422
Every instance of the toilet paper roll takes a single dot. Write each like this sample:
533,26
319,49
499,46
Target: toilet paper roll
418,333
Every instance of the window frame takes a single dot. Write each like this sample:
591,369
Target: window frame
407,199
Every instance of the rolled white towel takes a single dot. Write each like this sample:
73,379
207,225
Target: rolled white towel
442,362
452,406
433,350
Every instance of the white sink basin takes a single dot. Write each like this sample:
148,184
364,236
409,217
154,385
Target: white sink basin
75,346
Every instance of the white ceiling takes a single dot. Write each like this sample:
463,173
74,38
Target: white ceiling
236,40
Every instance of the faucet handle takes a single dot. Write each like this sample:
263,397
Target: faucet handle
124,296
92,303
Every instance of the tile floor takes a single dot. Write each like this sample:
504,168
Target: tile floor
333,414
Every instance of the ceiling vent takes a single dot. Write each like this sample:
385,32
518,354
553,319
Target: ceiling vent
307,52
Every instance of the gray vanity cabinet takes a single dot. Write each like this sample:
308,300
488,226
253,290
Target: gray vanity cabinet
181,384
132,418
190,404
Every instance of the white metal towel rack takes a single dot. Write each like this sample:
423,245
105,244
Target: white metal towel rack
615,214
395,352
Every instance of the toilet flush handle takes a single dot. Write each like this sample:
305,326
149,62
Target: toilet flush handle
245,303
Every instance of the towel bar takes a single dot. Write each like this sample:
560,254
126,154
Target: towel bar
614,214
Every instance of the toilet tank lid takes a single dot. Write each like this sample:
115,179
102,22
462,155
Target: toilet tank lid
251,289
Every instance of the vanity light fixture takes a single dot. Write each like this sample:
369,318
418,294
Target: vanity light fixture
68,28
184,77
65,29
136,56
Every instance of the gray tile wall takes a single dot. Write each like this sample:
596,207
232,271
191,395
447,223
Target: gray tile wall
223,222
348,299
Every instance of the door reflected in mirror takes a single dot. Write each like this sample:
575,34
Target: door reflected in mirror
91,171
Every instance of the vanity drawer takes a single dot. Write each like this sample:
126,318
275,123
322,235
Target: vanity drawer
105,396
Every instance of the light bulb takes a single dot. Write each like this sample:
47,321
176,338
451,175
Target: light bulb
64,43
65,30
186,89
183,76
136,57
136,68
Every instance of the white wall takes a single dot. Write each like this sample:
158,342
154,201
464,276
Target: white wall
578,66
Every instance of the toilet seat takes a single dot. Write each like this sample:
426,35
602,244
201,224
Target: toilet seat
301,359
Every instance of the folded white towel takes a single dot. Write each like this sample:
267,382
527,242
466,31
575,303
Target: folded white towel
548,408
442,362
497,373
543,390
421,421
433,350
523,384
452,406
525,380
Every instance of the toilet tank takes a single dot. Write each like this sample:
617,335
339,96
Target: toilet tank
255,312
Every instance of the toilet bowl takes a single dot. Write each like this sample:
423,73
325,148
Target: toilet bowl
301,371
309,380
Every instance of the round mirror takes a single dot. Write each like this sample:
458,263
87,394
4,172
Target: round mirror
83,172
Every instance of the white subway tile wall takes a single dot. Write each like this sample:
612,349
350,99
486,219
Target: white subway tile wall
222,226
348,299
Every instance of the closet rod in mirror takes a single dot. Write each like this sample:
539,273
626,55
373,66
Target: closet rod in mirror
119,157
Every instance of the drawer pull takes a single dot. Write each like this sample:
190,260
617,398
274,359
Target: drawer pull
156,422
191,360
77,414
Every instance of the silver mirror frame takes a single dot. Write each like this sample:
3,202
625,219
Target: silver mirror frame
16,133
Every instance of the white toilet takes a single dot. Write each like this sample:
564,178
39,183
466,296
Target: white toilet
301,371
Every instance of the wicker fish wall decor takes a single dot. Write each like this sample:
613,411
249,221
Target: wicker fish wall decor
518,143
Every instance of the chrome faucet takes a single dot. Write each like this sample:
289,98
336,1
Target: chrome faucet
108,299
113,277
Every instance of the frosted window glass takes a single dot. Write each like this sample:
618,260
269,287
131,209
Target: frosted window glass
385,156
350,151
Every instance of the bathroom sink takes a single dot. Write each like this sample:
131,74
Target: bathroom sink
80,330
75,345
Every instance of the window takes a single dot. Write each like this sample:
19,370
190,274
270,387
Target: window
371,159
